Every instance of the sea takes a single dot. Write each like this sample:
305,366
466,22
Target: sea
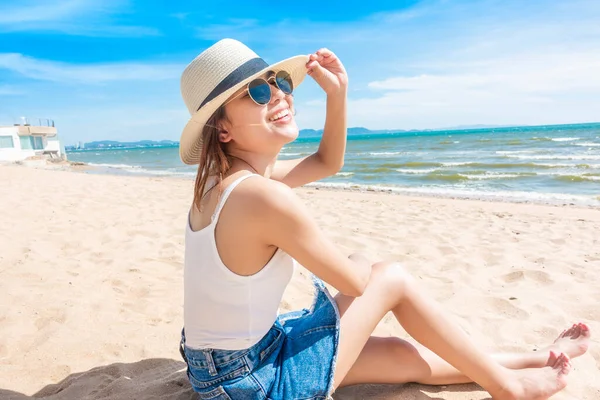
558,164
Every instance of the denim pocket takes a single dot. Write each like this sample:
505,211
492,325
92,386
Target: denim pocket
215,394
246,388
198,377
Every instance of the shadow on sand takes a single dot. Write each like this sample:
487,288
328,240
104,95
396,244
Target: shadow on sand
161,378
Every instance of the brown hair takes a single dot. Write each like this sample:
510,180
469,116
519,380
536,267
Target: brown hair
213,159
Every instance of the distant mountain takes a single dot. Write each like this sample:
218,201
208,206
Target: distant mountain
476,126
308,133
109,144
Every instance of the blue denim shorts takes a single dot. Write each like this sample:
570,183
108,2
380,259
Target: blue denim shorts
295,360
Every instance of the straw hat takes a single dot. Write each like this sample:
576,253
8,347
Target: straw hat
216,74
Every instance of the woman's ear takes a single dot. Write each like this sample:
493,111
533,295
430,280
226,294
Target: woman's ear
224,135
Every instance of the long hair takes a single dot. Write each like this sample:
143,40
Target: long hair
213,159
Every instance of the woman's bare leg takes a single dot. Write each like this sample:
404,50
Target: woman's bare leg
394,360
391,289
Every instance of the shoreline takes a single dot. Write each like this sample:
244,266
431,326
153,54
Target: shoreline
491,197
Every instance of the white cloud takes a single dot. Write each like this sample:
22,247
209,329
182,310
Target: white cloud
125,122
75,17
6,90
536,88
39,13
525,65
544,73
438,64
181,16
88,73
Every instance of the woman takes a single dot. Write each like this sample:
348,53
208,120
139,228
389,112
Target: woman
246,229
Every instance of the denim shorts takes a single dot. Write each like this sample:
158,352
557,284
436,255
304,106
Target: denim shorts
295,360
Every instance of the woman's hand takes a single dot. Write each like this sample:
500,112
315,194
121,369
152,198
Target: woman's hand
328,71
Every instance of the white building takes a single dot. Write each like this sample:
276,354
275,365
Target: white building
21,141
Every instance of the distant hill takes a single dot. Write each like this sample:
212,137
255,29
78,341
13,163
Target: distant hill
109,144
311,135
476,126
308,133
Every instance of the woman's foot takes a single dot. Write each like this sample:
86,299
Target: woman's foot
574,341
539,383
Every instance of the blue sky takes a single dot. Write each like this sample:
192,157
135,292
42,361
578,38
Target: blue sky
109,69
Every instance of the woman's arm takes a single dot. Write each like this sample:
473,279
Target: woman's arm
287,224
327,70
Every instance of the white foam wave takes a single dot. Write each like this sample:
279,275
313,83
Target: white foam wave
118,166
587,144
507,152
386,153
457,164
344,174
136,169
583,176
556,157
511,196
555,165
163,172
491,176
568,166
565,139
416,171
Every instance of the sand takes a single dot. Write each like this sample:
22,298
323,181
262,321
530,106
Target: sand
91,279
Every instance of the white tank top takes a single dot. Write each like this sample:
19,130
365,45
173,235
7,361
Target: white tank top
224,310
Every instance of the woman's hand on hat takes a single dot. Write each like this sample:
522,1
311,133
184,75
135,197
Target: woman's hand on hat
328,71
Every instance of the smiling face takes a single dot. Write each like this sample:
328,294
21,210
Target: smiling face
255,128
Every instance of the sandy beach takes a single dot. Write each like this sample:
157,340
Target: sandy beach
91,280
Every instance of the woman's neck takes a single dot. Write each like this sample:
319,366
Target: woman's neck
255,163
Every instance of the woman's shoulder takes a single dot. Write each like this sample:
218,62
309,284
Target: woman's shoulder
263,193
260,204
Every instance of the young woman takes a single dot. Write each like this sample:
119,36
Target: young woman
247,229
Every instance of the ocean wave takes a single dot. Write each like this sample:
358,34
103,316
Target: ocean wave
456,164
475,194
498,176
565,139
483,165
587,144
577,178
117,166
344,174
479,175
505,152
556,157
411,164
162,172
449,142
138,170
562,165
502,165
386,153
416,171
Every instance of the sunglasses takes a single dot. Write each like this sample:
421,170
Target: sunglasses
259,89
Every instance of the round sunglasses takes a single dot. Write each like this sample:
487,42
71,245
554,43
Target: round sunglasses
259,89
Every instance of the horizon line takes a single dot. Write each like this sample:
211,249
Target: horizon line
472,127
